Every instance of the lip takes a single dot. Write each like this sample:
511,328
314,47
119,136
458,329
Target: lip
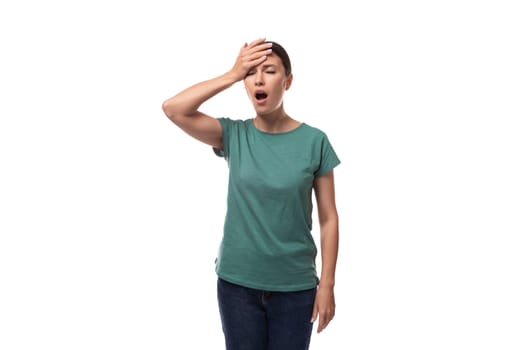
261,100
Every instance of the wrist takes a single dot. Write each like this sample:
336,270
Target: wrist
325,283
232,77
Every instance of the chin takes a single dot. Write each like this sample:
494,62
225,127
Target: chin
264,110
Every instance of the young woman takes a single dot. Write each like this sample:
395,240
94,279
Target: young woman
269,292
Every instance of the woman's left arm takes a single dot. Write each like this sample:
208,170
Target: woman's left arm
324,305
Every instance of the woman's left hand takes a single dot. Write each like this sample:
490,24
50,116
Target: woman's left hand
324,307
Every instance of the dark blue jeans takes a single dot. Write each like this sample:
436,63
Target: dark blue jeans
259,320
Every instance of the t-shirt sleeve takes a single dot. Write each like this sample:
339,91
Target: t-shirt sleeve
328,157
226,126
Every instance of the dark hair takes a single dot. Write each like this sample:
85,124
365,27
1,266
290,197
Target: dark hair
283,55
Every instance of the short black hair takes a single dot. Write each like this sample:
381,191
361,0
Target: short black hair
283,55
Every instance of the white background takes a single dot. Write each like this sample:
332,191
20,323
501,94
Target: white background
110,216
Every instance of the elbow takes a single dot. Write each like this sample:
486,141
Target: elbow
170,110
167,108
329,216
329,221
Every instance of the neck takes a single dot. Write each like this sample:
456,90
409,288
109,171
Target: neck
275,122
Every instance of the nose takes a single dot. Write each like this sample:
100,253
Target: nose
259,79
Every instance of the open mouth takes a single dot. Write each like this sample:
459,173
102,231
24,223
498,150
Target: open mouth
260,95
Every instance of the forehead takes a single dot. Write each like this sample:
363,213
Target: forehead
272,60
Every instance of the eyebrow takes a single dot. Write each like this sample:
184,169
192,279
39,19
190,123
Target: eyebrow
264,66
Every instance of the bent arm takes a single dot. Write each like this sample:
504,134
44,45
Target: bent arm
183,109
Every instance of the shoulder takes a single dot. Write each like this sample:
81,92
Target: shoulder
234,123
314,132
318,138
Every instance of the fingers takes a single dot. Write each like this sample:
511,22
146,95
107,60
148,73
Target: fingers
254,54
325,316
256,42
324,308
324,319
253,51
251,55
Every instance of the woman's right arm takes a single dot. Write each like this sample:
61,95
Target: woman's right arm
183,108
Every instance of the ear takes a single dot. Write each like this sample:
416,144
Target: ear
288,82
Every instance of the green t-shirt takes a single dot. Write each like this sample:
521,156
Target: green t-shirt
267,242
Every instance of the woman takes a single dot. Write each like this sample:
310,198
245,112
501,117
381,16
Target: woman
268,289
